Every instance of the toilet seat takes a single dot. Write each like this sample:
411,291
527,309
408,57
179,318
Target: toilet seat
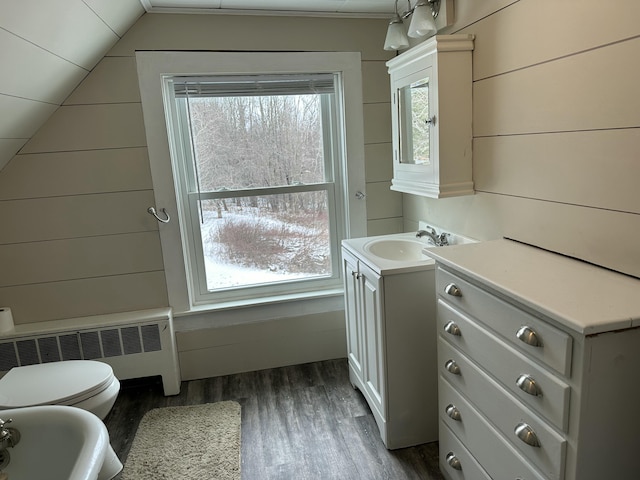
58,383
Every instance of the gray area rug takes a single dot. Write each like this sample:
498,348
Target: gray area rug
196,442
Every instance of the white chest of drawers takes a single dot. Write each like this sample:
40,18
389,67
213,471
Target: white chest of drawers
539,365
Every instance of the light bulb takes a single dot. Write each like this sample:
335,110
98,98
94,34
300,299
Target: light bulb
422,21
396,38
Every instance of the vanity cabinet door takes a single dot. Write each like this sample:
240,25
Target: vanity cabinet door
372,309
391,347
354,316
364,309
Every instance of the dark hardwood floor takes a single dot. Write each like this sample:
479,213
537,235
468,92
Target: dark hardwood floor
304,422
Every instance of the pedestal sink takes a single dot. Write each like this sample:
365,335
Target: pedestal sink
59,443
401,249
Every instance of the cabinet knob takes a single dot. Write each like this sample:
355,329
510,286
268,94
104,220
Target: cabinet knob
527,434
452,367
528,336
356,275
453,461
527,384
453,412
453,290
452,329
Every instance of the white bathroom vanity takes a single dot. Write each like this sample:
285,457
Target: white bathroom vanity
538,365
391,332
390,305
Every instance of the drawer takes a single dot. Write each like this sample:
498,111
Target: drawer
554,345
495,454
506,415
506,365
452,452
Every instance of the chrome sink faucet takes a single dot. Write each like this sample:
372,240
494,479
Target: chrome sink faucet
438,240
9,437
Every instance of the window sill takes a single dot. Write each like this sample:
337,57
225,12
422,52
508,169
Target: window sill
252,311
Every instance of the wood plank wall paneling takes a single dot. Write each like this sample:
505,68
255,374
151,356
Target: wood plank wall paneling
538,166
32,20
242,348
26,116
89,162
55,218
48,47
531,32
239,33
8,147
83,172
556,130
40,76
595,84
384,206
378,165
113,80
76,258
118,14
87,127
84,297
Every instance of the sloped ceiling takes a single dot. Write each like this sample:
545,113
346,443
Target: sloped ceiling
47,47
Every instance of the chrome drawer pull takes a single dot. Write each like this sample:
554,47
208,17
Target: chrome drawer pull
452,329
453,412
453,290
527,435
453,461
527,384
452,367
528,336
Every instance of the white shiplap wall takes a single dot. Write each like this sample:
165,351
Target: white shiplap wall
551,166
96,249
48,47
556,128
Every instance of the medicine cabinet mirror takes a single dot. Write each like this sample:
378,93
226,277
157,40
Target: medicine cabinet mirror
431,117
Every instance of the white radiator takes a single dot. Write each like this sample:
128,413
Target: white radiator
135,344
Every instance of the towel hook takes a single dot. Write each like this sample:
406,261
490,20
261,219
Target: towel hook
153,212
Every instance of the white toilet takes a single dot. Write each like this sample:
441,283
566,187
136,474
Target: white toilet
85,384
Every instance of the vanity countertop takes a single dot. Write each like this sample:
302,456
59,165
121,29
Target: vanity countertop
580,296
384,266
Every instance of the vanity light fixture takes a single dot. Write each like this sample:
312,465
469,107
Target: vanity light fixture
423,23
396,38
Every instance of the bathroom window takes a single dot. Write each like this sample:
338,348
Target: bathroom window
258,161
263,191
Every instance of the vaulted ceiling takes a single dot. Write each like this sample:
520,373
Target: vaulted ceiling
47,47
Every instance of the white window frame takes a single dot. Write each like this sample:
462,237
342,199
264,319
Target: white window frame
153,67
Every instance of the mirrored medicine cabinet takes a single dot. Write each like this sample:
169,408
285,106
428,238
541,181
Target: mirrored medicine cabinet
431,117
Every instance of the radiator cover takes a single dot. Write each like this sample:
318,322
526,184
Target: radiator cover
135,344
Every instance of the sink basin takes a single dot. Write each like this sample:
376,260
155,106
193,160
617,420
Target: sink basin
59,443
399,249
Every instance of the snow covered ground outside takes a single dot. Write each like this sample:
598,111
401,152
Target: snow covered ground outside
221,273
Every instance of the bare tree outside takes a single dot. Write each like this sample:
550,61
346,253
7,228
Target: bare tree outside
242,143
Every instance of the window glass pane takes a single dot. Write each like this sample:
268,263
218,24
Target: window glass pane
257,141
263,239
